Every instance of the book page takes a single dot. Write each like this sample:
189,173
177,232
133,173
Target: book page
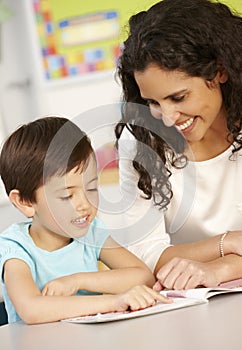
197,293
205,293
232,284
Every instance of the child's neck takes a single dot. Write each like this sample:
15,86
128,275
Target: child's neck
47,240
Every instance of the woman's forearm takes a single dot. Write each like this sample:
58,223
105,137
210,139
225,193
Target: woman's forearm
209,251
204,251
227,268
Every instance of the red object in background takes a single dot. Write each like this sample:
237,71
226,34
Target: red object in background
107,158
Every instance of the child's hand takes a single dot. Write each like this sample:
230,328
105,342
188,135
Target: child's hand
64,286
139,297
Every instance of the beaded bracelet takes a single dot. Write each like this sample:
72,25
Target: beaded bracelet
221,248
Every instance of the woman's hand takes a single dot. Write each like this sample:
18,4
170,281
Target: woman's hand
64,286
181,273
139,297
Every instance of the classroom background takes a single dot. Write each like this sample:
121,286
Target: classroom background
58,57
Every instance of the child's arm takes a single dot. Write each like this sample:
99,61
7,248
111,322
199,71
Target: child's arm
35,308
126,271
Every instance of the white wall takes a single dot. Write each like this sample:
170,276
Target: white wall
23,94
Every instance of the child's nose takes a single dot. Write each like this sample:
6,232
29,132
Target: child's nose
82,203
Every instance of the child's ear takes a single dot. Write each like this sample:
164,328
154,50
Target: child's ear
23,205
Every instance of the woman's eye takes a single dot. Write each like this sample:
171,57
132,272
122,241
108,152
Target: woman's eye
178,98
151,102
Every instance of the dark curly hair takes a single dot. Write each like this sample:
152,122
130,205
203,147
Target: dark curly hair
192,36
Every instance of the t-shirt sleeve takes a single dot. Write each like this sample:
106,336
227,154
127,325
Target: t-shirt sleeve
11,250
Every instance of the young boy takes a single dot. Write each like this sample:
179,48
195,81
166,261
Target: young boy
48,264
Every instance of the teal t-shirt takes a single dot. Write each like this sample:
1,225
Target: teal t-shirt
80,255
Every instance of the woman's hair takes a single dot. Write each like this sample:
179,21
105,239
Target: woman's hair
192,36
39,150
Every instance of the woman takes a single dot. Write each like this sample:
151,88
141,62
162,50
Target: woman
180,140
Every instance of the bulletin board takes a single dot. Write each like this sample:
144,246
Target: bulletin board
235,5
77,38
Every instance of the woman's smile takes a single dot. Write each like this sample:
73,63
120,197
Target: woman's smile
184,126
192,104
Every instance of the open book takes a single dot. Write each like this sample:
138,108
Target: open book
181,299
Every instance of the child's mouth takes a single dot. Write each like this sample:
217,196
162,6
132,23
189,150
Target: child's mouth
79,221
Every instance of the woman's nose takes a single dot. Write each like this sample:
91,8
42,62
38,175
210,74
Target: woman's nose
170,119
168,114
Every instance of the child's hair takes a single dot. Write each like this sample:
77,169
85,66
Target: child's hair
39,150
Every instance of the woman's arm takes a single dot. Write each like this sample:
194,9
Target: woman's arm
181,273
34,308
190,265
205,250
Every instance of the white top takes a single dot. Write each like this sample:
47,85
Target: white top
207,200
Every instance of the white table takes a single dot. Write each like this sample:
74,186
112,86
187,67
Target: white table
213,326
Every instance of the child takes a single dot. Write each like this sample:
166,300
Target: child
49,264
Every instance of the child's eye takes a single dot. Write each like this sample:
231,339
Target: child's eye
66,197
91,189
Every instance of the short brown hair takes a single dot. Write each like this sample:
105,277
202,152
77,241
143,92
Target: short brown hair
40,149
